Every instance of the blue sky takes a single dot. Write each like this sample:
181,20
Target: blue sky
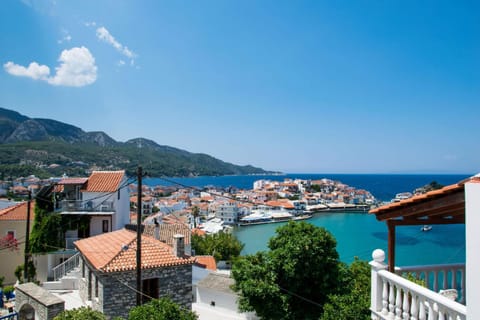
294,86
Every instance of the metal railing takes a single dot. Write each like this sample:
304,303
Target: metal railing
65,267
85,206
10,316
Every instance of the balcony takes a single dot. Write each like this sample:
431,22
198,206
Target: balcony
78,206
394,297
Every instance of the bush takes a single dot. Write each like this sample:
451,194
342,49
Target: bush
161,309
83,313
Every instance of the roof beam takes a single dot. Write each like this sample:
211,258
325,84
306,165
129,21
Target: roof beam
423,208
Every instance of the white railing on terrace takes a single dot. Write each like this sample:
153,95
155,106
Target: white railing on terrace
86,206
396,298
66,266
439,277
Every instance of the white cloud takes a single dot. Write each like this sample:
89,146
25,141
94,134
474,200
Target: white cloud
90,24
66,37
34,70
77,69
104,35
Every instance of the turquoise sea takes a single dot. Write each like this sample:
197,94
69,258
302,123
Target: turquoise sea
357,234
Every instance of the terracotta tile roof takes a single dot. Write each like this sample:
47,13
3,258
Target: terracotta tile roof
104,181
198,232
419,198
167,231
279,203
207,262
445,205
18,212
174,219
72,181
116,251
58,188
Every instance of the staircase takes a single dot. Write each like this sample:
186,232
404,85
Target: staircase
65,275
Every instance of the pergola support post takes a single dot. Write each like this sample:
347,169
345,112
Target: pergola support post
391,245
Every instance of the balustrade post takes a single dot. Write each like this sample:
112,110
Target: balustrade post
445,280
378,301
406,305
398,304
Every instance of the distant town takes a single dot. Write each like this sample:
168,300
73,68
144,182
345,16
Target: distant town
213,209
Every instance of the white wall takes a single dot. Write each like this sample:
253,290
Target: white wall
472,226
222,300
121,205
96,225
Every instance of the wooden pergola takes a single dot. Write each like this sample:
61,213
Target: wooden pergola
442,206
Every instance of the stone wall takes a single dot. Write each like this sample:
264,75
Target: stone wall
116,293
45,304
117,299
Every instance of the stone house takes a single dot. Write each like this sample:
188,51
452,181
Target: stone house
108,271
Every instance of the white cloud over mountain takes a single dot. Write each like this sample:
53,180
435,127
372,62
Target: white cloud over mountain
77,69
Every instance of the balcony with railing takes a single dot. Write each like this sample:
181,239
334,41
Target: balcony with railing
79,206
394,297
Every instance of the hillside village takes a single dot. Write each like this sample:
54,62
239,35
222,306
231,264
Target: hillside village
95,257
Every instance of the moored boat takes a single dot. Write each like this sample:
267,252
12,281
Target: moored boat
426,228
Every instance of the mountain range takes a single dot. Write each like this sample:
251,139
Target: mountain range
47,147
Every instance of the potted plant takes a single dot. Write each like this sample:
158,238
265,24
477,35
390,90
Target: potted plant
8,292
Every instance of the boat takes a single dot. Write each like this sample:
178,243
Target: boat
426,228
273,216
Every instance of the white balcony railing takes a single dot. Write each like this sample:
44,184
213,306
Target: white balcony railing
84,206
439,277
395,298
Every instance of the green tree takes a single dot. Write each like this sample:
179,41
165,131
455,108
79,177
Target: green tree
19,272
48,228
195,214
222,246
82,313
294,278
353,302
161,309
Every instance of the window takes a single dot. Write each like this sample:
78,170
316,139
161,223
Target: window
105,226
89,285
11,234
96,287
150,289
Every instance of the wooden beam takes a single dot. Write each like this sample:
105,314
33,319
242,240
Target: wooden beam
391,246
425,206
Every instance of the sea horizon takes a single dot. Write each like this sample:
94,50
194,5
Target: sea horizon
383,186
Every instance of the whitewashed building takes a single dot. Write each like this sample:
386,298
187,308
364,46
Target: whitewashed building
101,201
226,211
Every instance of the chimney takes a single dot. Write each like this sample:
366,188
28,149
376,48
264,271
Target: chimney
178,245
156,232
